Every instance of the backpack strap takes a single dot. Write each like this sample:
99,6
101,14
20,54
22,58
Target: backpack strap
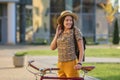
75,43
76,46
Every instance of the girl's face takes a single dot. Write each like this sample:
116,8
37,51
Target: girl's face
68,22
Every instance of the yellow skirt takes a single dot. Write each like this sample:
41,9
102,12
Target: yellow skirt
67,69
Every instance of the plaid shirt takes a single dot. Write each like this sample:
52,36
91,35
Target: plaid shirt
65,45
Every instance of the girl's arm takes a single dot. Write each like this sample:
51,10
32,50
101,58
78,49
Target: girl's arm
81,50
53,44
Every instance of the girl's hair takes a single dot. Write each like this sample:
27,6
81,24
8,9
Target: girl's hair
62,23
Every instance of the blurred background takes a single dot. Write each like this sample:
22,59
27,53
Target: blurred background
34,21
25,23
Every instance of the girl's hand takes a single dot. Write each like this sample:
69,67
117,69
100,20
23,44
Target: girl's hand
58,30
77,67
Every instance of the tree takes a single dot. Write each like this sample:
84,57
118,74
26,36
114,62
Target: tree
109,10
116,33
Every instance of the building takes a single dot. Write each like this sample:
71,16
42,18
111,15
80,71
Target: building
24,21
92,21
12,15
8,21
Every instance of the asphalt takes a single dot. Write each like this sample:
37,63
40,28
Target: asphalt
9,72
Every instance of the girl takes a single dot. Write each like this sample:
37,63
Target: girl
64,42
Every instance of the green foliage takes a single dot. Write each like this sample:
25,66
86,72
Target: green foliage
20,53
40,41
116,33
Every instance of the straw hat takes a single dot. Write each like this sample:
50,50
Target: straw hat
66,13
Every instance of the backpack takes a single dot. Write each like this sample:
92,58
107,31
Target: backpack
76,46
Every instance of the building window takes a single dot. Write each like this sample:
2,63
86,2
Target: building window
88,6
76,6
1,10
28,17
56,7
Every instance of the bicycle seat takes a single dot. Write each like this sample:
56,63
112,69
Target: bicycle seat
87,68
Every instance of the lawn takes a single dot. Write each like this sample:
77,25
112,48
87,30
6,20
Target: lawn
106,71
90,52
103,52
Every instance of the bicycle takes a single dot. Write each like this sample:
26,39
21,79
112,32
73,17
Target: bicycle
43,71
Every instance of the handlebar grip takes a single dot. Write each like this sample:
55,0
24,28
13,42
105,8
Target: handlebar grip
30,61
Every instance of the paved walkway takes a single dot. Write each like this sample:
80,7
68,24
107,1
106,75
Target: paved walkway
9,72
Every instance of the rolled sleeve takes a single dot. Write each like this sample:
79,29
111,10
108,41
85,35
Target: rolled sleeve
78,34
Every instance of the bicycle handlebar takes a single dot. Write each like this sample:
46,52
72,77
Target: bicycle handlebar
84,68
43,70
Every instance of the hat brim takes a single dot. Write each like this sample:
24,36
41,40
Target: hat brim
67,14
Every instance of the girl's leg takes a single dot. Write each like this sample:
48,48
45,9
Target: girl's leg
69,69
61,72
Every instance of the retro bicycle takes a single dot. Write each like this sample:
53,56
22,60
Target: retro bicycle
44,71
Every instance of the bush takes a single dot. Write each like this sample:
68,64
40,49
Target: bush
40,41
116,33
20,54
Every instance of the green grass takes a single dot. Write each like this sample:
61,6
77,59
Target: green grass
106,71
101,52
90,52
40,52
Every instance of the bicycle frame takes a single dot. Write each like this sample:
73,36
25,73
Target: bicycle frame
46,77
43,72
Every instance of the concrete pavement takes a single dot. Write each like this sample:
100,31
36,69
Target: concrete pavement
7,69
9,72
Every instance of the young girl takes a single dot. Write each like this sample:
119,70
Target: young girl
64,42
